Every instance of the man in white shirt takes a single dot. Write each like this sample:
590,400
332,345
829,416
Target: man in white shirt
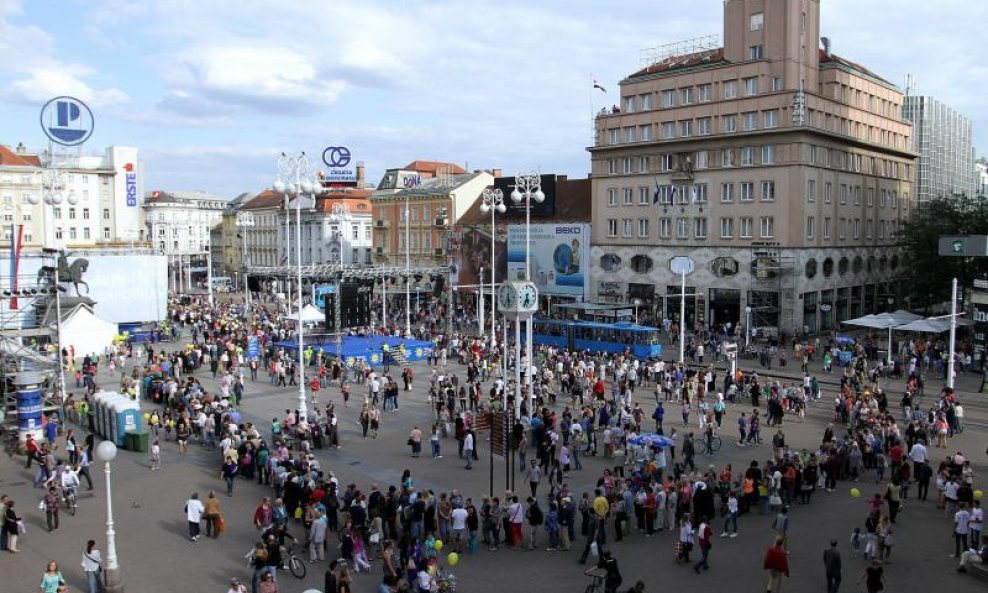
459,521
962,520
468,448
193,512
918,456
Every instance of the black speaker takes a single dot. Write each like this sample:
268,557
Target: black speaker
437,286
329,300
355,303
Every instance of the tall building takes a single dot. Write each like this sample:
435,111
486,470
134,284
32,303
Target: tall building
781,171
981,178
180,225
942,138
100,207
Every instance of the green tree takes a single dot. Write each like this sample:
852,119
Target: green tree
926,275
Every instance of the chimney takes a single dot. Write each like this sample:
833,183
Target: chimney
21,149
496,172
826,45
360,173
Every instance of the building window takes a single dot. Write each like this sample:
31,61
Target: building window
629,196
612,166
686,128
85,213
767,224
755,52
57,213
746,224
842,229
810,227
643,196
72,213
687,95
768,191
669,129
729,123
811,190
702,159
730,89
682,228
757,21
704,126
630,134
646,101
770,118
870,200
844,190
856,228
700,228
629,104
628,165
646,133
626,230
669,98
826,228
58,232
665,162
747,191
748,155
106,214
827,192
776,83
726,228
665,227
643,227
612,227
869,229
727,158
612,197
613,135
643,164
28,237
884,198
751,86
72,233
726,193
768,154
85,232
700,193
749,121
703,93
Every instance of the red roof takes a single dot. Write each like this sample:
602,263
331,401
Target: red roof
710,56
11,158
265,199
434,166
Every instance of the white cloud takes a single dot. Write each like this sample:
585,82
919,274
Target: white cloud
44,82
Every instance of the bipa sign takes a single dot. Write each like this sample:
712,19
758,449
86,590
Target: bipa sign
130,178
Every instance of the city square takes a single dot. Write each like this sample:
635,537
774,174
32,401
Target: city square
713,318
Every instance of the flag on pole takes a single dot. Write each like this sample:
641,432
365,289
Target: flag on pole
16,239
672,195
596,84
655,197
693,197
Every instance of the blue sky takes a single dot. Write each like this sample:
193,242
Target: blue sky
212,90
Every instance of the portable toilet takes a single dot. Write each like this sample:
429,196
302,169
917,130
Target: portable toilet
99,412
125,417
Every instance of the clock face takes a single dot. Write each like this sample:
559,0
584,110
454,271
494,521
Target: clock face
506,297
528,298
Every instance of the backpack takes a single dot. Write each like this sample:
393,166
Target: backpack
535,516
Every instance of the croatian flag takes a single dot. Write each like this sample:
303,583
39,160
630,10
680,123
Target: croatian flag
597,85
672,195
655,197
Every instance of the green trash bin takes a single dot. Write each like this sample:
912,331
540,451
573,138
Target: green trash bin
136,441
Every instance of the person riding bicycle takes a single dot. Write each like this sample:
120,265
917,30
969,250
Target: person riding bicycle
708,439
607,568
70,484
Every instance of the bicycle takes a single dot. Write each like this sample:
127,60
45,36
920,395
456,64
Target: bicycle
701,444
294,563
597,586
71,500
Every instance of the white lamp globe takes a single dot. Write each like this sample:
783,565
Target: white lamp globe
485,208
106,451
515,196
72,198
292,189
501,208
33,199
279,186
56,198
306,187
539,196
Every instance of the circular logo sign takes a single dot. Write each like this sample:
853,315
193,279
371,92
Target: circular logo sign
67,121
336,156
681,264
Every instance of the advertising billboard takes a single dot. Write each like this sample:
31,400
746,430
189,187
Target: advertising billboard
560,257
474,257
545,208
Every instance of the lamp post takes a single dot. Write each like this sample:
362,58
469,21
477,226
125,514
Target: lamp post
492,200
244,221
888,357
209,271
408,264
637,303
953,333
298,167
107,452
747,326
528,187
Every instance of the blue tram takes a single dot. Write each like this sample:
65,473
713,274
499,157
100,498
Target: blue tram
614,338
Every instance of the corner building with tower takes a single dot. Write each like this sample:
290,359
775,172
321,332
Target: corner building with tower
784,171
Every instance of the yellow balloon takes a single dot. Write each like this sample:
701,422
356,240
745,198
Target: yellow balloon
762,491
978,494
855,492
453,559
147,416
438,545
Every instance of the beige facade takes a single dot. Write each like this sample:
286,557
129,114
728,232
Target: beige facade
782,170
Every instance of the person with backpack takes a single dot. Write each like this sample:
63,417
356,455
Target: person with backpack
535,518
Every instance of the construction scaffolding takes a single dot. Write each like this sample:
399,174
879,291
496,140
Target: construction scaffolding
772,296
689,47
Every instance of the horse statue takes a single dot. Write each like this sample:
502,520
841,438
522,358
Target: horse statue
72,273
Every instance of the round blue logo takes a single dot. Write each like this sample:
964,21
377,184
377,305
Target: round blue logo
67,121
336,156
